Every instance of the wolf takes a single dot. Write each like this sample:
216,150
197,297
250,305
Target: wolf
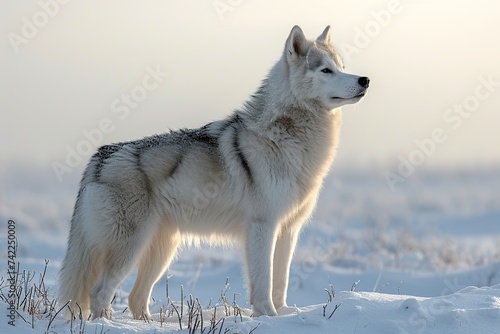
250,179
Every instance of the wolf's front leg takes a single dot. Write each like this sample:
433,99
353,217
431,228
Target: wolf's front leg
285,245
259,248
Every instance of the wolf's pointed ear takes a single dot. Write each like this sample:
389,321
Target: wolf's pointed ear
324,38
297,43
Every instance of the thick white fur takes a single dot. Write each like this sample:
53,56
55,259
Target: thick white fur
252,179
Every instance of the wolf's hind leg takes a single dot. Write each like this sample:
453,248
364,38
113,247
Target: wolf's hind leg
119,258
152,264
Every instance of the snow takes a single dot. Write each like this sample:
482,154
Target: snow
422,259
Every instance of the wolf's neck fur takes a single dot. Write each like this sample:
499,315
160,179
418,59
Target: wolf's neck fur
275,114
274,100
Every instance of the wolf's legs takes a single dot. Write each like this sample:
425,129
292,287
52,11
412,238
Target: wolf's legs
152,264
118,259
283,253
103,290
260,242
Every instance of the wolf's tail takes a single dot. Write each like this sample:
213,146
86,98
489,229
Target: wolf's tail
78,273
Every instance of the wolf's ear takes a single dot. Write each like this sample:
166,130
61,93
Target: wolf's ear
297,43
324,38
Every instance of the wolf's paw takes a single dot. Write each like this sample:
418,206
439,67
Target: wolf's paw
286,310
105,313
264,309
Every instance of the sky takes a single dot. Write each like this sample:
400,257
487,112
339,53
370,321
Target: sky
79,74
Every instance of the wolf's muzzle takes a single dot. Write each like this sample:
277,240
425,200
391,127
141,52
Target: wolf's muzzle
364,82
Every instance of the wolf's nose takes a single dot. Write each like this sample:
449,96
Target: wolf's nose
364,82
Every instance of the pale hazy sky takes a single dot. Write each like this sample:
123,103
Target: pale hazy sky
427,61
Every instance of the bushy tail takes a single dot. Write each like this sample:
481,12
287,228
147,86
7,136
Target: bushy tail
78,273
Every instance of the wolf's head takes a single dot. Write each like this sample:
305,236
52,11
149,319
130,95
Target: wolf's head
316,72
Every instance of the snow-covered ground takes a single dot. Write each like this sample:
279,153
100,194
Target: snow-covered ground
422,259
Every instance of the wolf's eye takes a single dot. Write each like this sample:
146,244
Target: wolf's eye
326,70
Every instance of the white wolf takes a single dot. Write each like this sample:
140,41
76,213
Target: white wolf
251,179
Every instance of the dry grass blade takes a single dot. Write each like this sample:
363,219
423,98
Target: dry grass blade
335,309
